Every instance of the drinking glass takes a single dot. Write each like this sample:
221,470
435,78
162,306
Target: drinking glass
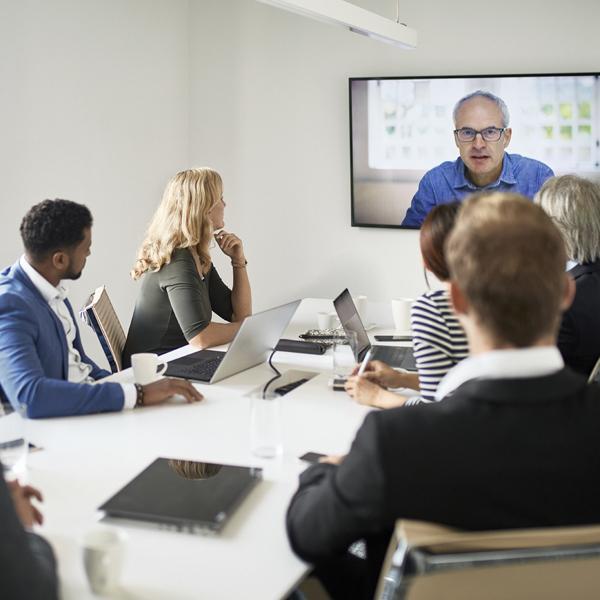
265,425
343,355
13,440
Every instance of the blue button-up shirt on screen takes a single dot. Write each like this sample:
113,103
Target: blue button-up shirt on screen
448,183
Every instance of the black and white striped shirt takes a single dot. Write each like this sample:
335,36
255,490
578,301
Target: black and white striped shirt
439,341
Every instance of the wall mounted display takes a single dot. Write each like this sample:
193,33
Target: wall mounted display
401,128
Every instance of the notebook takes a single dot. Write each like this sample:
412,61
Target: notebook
395,356
183,494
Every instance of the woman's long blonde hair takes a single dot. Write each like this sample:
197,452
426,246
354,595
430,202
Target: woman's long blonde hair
181,220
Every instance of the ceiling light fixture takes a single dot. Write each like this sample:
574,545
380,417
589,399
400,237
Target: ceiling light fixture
354,18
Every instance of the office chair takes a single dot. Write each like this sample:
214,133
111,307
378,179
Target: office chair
429,562
100,315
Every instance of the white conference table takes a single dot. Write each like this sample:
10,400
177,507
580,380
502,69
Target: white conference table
85,460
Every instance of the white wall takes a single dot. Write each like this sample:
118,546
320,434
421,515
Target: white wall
270,111
101,101
93,108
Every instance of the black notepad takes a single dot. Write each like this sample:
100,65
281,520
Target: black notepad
187,495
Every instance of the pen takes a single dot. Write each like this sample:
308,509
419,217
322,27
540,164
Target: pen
364,363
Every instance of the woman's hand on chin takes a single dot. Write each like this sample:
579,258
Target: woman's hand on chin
231,245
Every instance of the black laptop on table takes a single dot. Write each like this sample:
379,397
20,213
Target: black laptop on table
395,356
184,495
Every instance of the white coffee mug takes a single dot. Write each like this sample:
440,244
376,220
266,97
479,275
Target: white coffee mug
361,304
146,367
103,553
401,314
325,320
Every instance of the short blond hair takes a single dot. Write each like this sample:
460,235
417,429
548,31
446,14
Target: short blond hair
508,258
181,220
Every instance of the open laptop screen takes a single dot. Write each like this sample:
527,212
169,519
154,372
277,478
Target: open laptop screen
350,320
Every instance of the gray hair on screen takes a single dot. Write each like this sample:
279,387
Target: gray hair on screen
489,96
574,204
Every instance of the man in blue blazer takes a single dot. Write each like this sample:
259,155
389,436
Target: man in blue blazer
43,365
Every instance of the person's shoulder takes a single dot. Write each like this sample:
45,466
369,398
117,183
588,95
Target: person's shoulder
445,168
432,299
12,288
585,273
404,421
181,255
437,296
8,275
525,163
181,260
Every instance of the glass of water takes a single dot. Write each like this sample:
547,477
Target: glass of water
266,440
343,356
13,440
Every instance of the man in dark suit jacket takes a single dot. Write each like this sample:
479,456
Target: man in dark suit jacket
42,362
514,442
26,559
574,204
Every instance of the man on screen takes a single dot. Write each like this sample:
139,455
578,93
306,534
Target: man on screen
481,134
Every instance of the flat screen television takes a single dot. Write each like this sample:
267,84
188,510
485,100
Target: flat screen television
401,127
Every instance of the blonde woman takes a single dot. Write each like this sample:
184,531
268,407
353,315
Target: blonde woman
180,287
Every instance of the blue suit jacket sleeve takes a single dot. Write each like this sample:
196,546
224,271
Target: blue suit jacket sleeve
422,202
24,371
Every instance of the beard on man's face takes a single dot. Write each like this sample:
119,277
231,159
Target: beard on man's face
75,275
72,274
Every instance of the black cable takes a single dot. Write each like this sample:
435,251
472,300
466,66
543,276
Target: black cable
264,392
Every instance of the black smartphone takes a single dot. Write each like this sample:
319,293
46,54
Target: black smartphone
393,338
311,457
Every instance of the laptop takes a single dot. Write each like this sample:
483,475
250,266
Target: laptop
257,336
183,494
395,356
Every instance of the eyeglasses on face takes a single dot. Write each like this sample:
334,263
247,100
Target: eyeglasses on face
489,134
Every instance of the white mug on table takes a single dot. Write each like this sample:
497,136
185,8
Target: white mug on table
325,320
361,303
103,553
401,314
146,367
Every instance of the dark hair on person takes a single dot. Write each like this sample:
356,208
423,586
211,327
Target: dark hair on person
52,225
435,229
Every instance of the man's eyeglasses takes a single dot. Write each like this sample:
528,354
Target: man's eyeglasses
489,134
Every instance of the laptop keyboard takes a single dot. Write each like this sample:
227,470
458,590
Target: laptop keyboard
201,370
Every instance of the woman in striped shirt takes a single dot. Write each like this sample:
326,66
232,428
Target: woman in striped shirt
439,341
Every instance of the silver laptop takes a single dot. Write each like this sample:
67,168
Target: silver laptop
256,338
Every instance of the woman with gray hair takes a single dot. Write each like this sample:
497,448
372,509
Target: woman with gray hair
574,205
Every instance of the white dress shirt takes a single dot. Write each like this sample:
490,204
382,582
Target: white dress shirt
78,371
514,363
